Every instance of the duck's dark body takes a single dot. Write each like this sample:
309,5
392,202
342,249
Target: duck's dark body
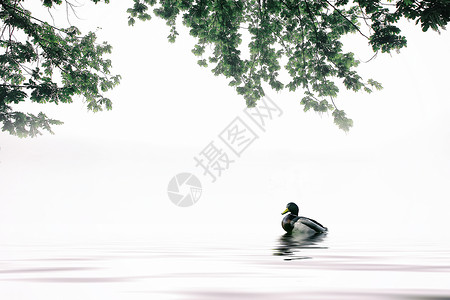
286,222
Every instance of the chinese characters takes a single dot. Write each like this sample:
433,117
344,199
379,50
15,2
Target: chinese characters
217,156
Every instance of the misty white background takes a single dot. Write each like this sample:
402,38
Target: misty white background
105,175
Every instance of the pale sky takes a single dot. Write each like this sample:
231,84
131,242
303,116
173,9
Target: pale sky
107,173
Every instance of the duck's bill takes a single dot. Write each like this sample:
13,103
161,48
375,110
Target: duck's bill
285,211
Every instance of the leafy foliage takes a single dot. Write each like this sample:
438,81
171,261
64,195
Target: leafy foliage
305,33
46,64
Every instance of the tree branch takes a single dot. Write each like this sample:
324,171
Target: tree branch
22,12
339,12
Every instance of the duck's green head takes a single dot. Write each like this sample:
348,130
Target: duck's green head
292,208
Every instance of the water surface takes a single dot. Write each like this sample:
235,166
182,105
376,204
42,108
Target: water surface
207,267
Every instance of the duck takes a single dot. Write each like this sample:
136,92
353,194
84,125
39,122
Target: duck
294,223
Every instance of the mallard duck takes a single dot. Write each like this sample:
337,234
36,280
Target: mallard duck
293,223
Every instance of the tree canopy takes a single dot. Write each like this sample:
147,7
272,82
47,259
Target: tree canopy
42,63
46,64
304,33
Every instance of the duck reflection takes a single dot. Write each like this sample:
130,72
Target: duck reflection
289,245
